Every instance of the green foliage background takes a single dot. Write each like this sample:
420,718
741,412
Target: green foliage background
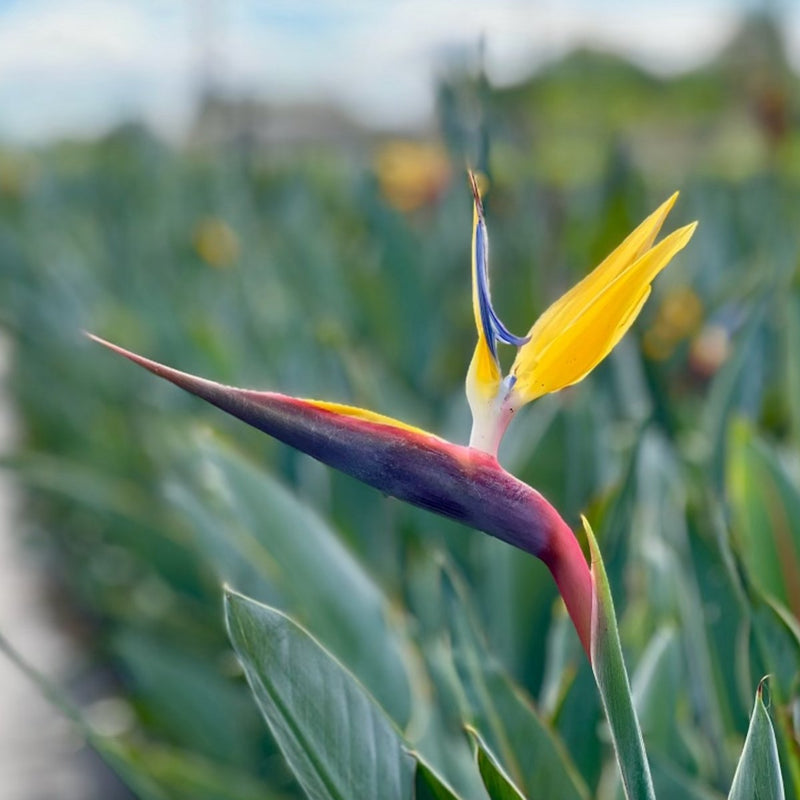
683,448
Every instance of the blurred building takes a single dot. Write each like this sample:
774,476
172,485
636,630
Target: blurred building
253,123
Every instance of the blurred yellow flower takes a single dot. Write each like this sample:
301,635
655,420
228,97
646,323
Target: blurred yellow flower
411,174
679,316
216,242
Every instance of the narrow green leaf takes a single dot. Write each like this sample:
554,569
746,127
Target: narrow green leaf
672,781
263,541
495,779
776,633
186,776
429,786
732,390
758,774
612,681
766,515
523,741
112,752
337,741
440,736
188,698
560,665
442,739
655,688
669,590
153,770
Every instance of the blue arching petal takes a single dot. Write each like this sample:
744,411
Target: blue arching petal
482,277
493,329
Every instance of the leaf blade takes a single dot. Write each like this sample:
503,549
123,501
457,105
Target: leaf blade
758,773
608,666
308,699
524,742
496,780
264,542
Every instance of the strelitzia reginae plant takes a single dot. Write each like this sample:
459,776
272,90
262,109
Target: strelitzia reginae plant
466,483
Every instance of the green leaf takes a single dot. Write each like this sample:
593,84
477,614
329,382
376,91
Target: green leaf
758,774
668,590
732,390
656,680
495,779
441,736
188,699
263,541
186,776
612,681
766,518
112,752
776,634
672,781
560,665
524,742
335,738
152,770
429,786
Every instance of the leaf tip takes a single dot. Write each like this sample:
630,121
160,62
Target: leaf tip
230,596
762,684
594,550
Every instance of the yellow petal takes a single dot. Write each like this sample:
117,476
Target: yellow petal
483,376
571,305
566,355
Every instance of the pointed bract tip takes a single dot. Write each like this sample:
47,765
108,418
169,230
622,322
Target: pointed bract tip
476,191
105,343
153,366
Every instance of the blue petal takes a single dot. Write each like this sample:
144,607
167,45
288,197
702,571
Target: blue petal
493,328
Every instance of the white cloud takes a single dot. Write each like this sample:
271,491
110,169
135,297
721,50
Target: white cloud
78,65
382,64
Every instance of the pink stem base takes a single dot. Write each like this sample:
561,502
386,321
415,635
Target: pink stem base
572,575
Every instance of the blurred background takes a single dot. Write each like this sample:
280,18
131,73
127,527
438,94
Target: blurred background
273,195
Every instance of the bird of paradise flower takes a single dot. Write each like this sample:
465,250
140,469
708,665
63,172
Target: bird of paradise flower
466,483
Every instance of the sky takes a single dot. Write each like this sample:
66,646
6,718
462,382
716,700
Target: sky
77,67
